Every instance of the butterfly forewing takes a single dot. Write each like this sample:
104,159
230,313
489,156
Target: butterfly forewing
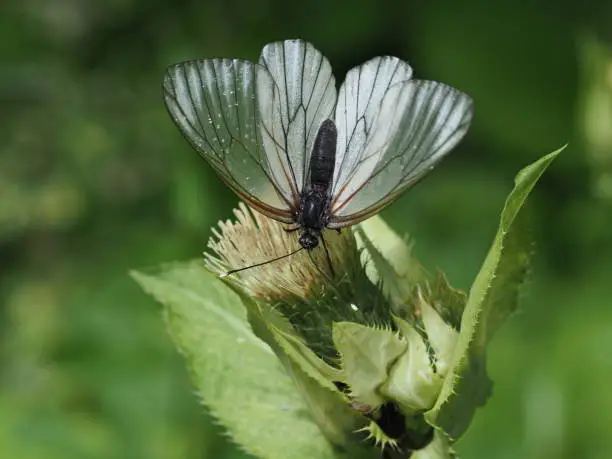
296,93
213,102
423,120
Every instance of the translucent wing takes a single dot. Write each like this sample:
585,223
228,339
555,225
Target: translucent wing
416,125
295,92
359,101
214,105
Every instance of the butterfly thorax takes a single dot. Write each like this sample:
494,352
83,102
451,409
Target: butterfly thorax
313,217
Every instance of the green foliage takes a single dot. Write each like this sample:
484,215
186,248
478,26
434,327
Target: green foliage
366,355
492,298
427,367
95,180
244,386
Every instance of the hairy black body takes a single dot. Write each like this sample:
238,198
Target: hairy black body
315,204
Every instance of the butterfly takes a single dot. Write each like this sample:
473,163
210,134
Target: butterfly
294,148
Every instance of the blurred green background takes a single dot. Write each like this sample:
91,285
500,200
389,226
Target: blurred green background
95,180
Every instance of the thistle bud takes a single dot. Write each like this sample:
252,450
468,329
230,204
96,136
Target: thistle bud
384,355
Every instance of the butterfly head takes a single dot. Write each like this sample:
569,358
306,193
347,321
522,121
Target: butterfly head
309,239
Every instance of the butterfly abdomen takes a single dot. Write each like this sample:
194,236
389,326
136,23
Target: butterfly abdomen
323,157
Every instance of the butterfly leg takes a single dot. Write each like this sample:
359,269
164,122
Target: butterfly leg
329,262
292,228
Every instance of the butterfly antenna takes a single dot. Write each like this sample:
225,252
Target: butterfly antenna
329,262
323,273
330,281
234,271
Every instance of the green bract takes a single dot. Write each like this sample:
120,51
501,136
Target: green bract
381,355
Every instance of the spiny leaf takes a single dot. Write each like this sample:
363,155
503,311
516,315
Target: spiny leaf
449,302
389,262
392,248
412,382
313,377
367,355
236,374
307,360
439,448
492,298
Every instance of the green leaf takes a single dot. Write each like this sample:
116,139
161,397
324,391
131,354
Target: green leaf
392,264
412,383
389,263
337,420
390,254
492,298
235,373
313,377
367,355
449,302
439,448
295,348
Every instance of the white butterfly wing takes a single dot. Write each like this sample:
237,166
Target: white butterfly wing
213,103
295,92
416,125
256,125
359,100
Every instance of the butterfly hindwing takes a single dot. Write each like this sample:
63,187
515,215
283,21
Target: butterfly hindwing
417,124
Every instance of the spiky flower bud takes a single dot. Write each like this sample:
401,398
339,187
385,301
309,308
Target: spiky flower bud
311,289
382,346
253,239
